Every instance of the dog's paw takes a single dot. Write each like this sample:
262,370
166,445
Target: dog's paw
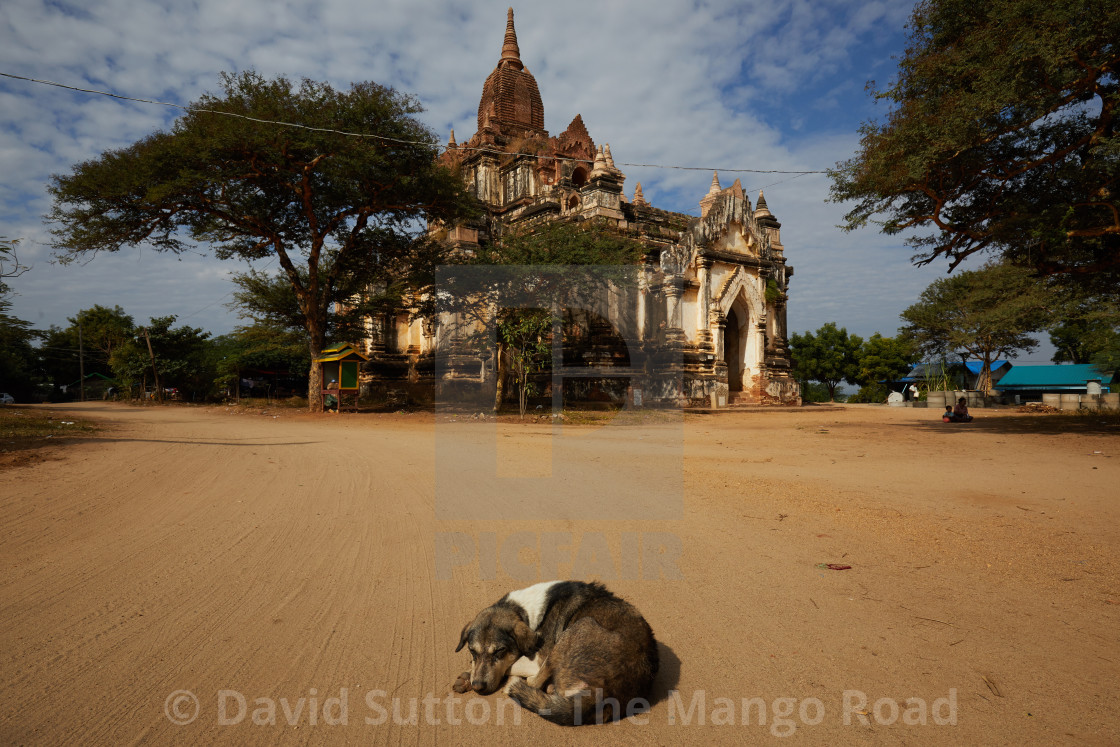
510,682
462,683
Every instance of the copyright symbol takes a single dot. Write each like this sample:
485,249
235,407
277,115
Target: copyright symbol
181,707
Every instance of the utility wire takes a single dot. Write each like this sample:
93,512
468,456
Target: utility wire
266,266
401,141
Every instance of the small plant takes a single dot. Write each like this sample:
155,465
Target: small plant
526,336
773,293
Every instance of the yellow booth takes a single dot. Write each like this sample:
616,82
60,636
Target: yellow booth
338,369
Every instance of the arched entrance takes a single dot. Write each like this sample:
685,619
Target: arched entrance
733,353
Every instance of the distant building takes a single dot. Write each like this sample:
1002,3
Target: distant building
713,288
956,375
1031,382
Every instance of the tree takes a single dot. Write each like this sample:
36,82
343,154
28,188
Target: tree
587,243
103,330
1108,357
332,209
58,356
87,343
1088,325
259,346
10,266
880,361
506,270
17,355
1080,340
981,314
829,356
1001,136
885,359
182,359
526,338
270,302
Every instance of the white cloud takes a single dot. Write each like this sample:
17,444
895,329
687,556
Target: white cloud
718,84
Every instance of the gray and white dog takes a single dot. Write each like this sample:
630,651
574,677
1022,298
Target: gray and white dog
594,651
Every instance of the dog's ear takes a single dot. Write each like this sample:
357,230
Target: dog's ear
528,640
463,637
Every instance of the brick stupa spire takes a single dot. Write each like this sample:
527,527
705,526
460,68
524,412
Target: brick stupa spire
511,54
511,102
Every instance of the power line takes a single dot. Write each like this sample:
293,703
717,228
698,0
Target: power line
266,266
400,141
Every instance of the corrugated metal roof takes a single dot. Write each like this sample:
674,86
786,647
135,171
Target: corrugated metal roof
975,366
341,357
339,352
934,370
1052,377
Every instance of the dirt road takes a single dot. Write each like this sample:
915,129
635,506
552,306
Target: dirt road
284,579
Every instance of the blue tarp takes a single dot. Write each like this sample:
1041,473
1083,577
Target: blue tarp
933,370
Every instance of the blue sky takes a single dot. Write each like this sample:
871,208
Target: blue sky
725,84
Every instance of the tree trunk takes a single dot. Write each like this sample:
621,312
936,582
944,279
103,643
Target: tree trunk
523,394
985,382
315,376
500,369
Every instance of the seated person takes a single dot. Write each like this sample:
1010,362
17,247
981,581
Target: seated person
948,416
960,412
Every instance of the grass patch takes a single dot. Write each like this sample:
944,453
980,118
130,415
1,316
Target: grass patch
598,416
261,403
22,429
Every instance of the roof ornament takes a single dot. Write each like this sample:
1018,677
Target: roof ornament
451,140
639,198
511,54
715,188
599,168
760,209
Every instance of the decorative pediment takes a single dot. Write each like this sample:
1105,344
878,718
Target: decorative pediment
728,223
740,281
574,142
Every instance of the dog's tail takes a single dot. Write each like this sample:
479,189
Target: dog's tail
573,710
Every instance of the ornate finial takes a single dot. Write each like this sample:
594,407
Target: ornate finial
715,188
710,199
599,168
510,52
607,155
760,209
451,140
639,198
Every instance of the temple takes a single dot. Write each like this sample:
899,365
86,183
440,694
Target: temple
713,288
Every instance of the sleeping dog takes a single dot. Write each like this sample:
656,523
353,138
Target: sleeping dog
594,650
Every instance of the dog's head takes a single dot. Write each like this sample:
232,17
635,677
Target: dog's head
496,638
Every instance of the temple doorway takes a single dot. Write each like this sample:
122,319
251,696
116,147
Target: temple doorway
733,354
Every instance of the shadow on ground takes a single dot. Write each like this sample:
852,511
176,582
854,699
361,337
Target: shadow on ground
668,674
1088,423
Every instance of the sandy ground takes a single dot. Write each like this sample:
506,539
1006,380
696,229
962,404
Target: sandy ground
225,569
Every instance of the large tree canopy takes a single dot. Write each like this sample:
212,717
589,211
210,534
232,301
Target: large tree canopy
510,267
330,207
1001,137
179,355
829,356
981,314
16,335
882,360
